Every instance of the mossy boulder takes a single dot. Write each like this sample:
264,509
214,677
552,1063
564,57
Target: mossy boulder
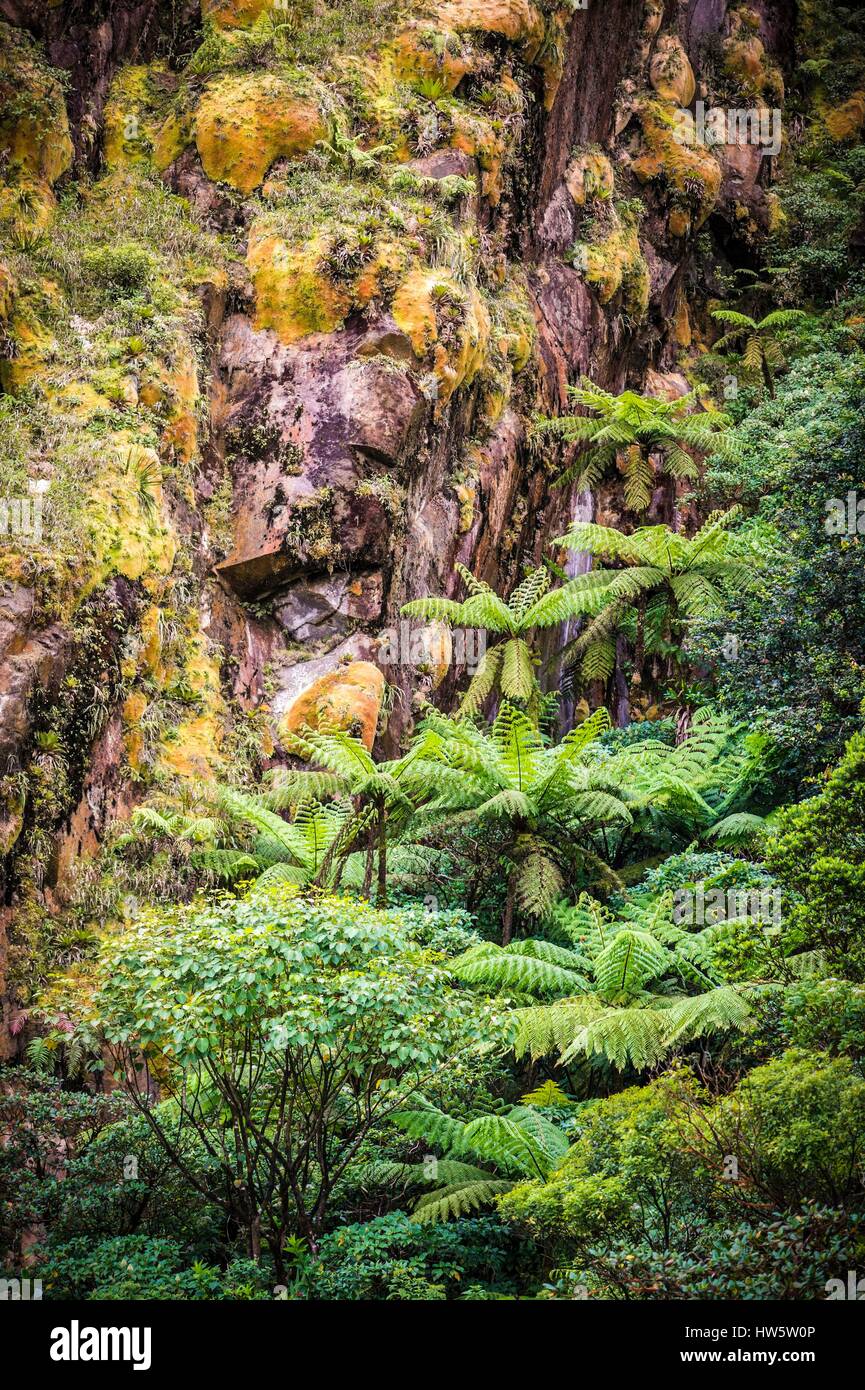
130,124
845,122
432,60
32,344
34,126
518,21
128,533
244,122
301,289
347,698
479,138
589,175
615,265
445,322
193,749
688,174
670,73
746,60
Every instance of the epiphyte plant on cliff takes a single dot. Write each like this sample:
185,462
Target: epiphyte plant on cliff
632,432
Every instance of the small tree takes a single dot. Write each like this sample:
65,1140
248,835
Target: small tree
385,796
665,579
280,1031
548,806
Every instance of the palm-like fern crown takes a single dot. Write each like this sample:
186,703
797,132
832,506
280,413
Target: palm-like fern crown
546,802
508,667
633,986
761,350
508,770
634,428
675,578
515,1143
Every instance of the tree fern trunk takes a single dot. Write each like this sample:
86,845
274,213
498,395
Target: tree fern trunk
381,895
640,644
683,723
508,916
367,871
620,685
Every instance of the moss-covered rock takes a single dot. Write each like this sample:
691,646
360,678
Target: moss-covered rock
615,265
671,74
244,122
431,60
131,120
347,698
444,322
589,175
234,14
689,174
845,122
34,126
129,533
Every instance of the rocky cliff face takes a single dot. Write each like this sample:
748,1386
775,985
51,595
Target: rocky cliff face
283,288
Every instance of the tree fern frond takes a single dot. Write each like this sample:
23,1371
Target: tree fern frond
628,962
459,1199
518,680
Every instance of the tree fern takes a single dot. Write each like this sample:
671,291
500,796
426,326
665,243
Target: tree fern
629,961
634,430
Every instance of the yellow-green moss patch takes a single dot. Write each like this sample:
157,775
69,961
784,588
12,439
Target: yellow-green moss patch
245,122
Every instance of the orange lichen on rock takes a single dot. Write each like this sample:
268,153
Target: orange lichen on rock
292,294
519,21
133,710
234,14
589,175
746,59
347,698
846,121
441,318
414,58
180,437
478,137
691,170
244,123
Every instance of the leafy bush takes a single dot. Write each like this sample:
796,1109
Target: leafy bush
819,853
790,653
136,1268
791,1255
309,1019
125,269
394,1258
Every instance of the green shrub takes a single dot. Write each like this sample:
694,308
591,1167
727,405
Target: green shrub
124,269
393,1258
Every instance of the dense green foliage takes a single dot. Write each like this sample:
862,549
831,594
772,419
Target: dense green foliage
537,1007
